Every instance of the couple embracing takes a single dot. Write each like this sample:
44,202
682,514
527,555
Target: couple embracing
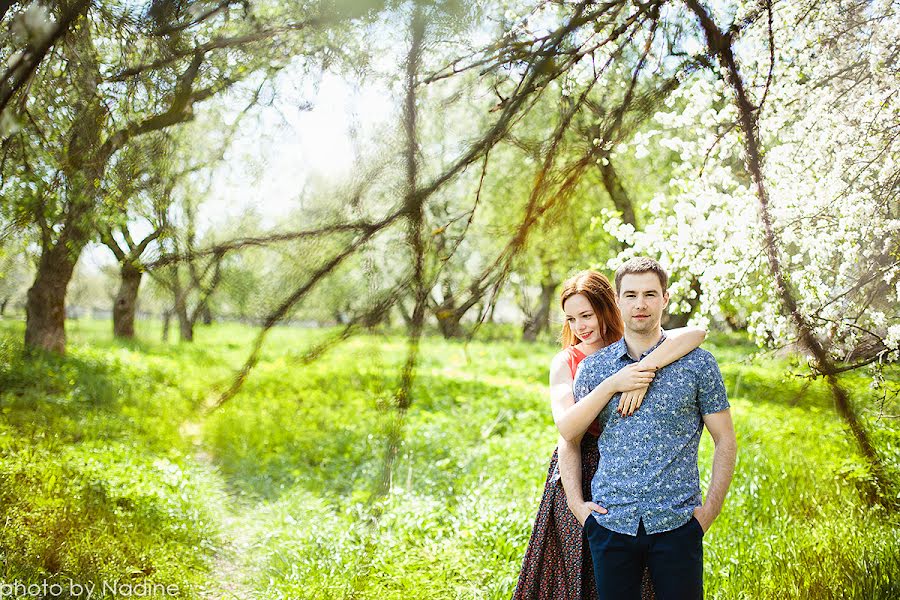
622,516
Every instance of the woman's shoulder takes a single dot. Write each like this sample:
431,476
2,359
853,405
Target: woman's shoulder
568,353
567,358
561,357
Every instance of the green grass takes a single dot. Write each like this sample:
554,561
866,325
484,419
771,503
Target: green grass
109,469
96,482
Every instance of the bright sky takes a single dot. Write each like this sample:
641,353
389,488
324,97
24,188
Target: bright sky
274,155
278,148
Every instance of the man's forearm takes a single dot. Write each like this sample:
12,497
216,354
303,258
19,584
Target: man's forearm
724,458
569,460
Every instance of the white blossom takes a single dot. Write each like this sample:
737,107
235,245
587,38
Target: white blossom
828,148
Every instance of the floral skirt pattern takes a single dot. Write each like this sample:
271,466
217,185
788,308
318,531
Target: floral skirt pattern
557,563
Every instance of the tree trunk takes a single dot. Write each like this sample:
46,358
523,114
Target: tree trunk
616,191
126,302
45,308
404,314
490,317
3,306
449,314
84,164
385,319
449,323
167,321
541,319
415,238
206,315
185,327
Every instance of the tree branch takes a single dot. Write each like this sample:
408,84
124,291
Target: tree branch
214,44
18,74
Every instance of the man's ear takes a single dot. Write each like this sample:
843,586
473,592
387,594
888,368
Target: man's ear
665,299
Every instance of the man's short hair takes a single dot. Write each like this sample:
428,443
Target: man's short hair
642,264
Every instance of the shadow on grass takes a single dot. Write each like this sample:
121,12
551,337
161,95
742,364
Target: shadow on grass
49,393
92,484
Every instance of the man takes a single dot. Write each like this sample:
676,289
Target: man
647,479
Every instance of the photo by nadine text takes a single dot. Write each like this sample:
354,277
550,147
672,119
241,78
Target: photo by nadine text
71,589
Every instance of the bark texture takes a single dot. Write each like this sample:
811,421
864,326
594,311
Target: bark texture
45,307
126,302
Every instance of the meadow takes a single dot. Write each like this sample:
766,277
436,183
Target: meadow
113,469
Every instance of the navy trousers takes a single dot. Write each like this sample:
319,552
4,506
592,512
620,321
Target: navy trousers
675,560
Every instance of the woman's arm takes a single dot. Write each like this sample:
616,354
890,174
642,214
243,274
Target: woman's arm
569,460
573,418
678,342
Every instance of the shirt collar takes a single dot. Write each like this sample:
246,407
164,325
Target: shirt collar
621,350
662,338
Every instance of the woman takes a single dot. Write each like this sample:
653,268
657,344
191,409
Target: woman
557,563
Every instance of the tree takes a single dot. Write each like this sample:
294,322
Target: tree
113,96
721,45
139,178
193,280
811,158
33,35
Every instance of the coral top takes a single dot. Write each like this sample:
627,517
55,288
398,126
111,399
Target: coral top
573,357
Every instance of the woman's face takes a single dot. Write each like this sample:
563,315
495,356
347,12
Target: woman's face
582,319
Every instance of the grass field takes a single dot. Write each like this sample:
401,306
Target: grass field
111,471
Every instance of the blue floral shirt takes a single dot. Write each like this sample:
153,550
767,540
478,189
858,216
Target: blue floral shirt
648,461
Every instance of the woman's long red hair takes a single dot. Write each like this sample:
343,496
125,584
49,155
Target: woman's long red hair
597,289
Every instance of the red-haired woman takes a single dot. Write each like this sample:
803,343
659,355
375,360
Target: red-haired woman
557,563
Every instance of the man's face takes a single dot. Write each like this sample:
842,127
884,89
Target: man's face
642,302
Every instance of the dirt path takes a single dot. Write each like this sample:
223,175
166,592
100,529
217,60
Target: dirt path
227,579
228,576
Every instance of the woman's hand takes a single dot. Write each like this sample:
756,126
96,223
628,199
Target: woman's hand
631,401
633,377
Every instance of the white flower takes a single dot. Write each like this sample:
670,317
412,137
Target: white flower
892,341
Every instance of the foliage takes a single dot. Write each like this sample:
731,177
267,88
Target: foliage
97,483
829,129
15,270
514,115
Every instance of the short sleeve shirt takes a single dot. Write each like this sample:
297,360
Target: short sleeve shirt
648,461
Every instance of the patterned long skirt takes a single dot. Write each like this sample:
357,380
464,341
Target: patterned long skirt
557,563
